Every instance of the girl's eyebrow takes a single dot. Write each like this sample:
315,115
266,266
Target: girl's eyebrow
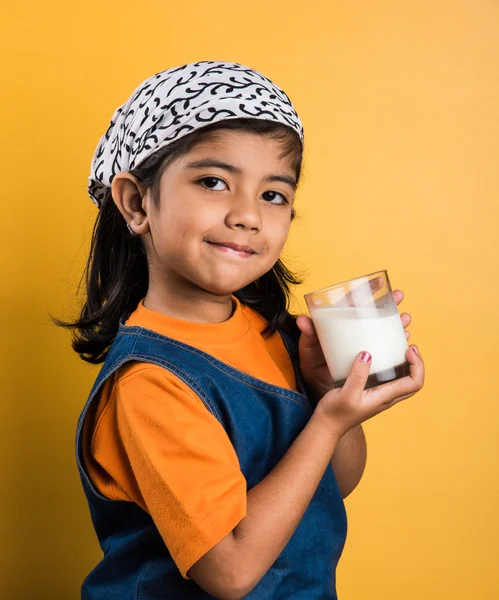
210,162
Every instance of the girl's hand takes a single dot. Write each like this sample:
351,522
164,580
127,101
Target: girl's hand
312,362
351,405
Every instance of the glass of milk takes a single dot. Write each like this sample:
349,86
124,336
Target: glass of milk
357,315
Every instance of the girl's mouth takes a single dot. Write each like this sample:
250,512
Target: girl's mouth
233,249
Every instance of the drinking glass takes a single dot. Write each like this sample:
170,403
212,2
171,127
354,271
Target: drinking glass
355,315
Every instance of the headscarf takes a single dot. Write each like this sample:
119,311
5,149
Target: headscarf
177,101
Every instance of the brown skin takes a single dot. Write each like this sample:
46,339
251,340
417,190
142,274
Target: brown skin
191,280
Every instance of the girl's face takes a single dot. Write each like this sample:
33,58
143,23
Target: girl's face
233,189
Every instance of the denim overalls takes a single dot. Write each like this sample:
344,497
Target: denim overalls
261,420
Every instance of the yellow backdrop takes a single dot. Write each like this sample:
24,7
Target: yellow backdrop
400,103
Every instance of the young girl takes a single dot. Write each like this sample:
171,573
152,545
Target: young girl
206,445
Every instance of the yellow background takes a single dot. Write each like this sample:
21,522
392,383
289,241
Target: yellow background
400,103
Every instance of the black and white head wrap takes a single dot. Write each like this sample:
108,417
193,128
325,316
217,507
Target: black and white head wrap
175,102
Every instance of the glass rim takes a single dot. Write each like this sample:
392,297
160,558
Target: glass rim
330,287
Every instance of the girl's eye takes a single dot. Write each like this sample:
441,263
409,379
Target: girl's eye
212,182
271,196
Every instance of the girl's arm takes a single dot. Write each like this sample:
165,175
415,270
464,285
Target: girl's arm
350,455
233,567
349,460
275,506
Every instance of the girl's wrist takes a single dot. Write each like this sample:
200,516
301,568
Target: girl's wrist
324,420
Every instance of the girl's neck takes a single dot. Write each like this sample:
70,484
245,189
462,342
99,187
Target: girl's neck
196,308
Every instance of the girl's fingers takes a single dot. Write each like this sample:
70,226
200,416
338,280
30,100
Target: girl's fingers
406,319
390,393
306,326
398,296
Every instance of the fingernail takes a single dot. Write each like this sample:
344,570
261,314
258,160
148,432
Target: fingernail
416,350
365,356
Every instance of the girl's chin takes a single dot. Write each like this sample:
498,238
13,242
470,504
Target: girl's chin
223,282
226,287
224,290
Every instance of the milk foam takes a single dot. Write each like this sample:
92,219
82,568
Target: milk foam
344,332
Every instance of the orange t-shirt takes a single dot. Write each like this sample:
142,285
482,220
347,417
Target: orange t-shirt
151,440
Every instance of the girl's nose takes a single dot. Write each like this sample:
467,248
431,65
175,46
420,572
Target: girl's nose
244,211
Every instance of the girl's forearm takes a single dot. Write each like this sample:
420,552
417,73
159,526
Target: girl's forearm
276,505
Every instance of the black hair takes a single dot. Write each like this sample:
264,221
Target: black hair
116,274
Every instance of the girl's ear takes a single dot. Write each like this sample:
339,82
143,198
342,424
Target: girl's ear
128,193
293,214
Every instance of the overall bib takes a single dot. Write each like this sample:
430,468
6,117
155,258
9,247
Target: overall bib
261,420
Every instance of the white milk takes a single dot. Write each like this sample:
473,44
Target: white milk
344,332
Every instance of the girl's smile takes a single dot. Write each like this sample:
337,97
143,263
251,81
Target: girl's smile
224,213
233,249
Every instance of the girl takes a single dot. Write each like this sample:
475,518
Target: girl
209,446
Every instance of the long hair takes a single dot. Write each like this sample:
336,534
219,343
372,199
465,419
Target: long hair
116,274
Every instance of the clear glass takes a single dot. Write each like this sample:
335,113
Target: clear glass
357,315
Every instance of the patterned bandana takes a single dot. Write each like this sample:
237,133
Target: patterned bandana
175,102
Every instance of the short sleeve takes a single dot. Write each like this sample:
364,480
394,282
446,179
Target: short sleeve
182,468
